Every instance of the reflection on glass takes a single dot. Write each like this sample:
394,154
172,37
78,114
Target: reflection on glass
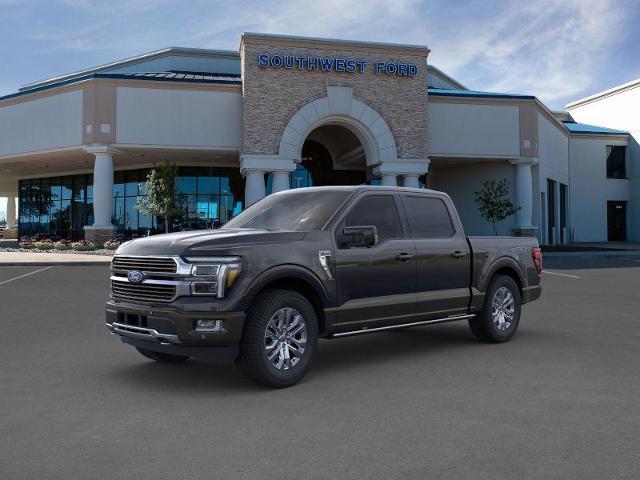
62,206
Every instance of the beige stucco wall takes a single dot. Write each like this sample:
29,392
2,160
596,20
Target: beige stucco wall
54,121
467,129
271,96
178,117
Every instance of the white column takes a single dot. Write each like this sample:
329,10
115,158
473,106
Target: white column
524,192
389,180
280,181
254,189
11,211
411,181
103,190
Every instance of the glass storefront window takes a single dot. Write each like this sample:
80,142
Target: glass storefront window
60,207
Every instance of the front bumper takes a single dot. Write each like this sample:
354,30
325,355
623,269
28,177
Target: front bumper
165,325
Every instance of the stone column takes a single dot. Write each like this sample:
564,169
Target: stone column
254,189
280,181
524,196
389,180
411,181
102,229
11,211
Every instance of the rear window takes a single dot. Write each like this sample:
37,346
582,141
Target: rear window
428,217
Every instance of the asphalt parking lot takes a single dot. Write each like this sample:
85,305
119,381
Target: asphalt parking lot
559,401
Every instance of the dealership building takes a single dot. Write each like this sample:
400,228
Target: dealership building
287,112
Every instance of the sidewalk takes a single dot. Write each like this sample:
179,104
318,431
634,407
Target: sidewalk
32,258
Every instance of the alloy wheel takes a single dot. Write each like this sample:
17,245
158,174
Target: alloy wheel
285,338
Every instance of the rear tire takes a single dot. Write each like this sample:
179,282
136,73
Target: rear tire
279,338
498,320
162,357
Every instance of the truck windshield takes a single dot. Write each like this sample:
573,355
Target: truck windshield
293,211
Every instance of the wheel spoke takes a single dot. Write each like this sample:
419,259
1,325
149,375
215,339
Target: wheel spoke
282,348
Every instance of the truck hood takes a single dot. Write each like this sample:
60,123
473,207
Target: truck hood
203,242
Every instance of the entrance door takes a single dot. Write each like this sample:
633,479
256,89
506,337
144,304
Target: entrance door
551,211
617,221
376,285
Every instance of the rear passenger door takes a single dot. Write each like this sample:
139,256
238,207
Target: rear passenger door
442,257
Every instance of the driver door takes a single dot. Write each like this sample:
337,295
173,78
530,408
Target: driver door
376,285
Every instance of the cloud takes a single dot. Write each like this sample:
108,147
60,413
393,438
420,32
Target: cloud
557,50
547,48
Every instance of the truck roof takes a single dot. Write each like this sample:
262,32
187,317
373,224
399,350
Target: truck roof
355,188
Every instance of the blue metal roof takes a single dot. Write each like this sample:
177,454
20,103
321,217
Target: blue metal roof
188,77
575,127
475,93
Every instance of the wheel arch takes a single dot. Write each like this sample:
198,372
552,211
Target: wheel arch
296,278
505,266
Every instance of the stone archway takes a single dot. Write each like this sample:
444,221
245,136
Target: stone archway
340,108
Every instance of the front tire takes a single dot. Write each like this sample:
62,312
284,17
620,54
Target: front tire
279,338
162,357
499,318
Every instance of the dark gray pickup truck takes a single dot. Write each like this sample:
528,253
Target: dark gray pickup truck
324,262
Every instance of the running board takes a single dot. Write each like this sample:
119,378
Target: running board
402,325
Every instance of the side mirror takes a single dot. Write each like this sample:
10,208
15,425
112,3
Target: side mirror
361,236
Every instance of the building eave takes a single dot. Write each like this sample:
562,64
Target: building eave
605,93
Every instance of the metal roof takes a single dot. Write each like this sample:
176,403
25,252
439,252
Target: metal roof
186,77
135,60
585,128
475,93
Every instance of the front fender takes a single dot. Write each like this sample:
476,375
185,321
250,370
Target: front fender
281,272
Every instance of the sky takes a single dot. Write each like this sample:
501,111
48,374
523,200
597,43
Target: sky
557,50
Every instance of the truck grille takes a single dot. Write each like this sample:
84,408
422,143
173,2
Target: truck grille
145,264
142,292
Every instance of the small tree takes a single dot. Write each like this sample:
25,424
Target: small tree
160,190
494,202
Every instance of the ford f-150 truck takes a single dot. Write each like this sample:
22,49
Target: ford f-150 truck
309,263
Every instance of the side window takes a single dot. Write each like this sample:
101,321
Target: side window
428,217
378,210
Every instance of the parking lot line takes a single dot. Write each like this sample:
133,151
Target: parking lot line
25,275
561,274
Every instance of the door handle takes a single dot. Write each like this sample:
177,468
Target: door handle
458,254
403,257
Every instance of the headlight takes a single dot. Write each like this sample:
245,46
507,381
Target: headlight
214,274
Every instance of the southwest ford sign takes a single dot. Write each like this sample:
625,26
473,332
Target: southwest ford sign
333,64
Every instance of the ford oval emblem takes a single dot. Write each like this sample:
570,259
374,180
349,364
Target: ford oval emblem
134,276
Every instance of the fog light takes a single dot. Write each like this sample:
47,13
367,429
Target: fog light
210,326
204,288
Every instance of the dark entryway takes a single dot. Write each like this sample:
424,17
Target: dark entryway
317,160
551,211
617,221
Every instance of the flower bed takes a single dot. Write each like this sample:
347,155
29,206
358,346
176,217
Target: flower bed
83,246
112,244
62,245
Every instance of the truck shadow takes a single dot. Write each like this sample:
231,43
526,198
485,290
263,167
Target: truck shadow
334,357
